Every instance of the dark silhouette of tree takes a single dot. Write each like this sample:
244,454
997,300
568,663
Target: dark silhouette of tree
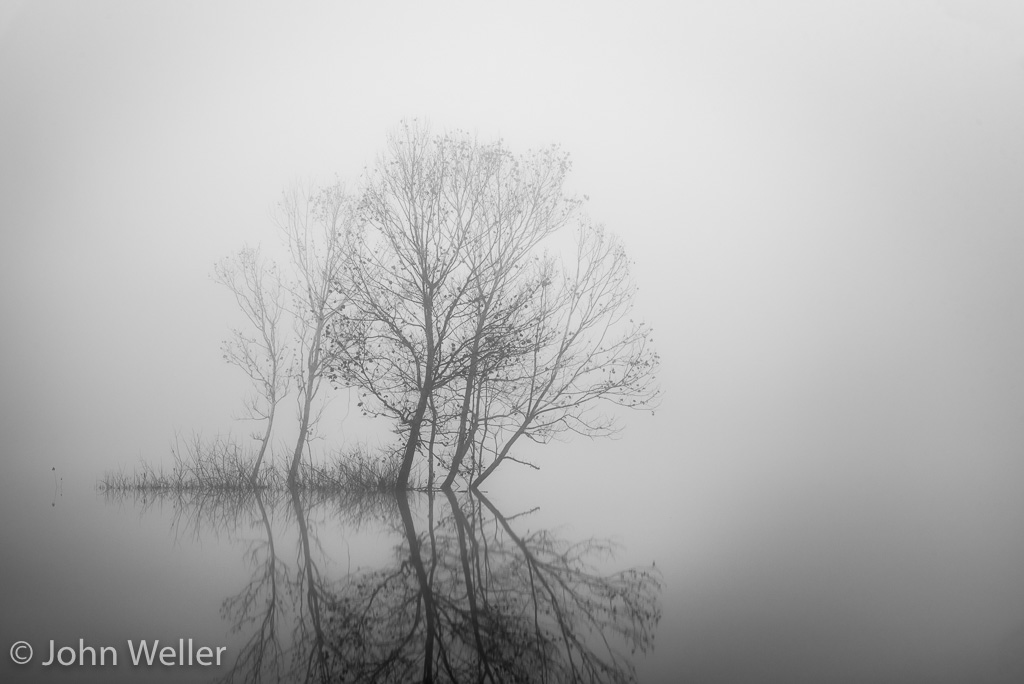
459,326
522,203
581,350
411,285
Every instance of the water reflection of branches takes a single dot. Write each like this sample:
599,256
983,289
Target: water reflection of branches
473,600
467,596
258,605
231,513
283,594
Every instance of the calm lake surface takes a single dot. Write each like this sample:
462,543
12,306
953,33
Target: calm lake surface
801,583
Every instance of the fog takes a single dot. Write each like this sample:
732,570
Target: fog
823,203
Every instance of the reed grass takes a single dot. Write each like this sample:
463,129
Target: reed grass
222,465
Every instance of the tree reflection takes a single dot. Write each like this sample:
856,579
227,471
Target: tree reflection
468,595
470,599
258,608
279,595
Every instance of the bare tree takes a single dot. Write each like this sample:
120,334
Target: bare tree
411,284
260,351
460,325
523,203
317,228
582,350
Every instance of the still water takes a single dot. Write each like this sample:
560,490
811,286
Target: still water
288,586
849,584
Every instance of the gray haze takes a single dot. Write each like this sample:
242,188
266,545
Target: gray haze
824,201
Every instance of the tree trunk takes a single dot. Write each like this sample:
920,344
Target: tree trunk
254,477
312,375
293,471
415,425
430,448
501,456
427,388
307,407
465,434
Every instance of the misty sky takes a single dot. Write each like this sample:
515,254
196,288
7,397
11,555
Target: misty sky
823,200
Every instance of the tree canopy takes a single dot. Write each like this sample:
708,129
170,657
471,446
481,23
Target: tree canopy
463,326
